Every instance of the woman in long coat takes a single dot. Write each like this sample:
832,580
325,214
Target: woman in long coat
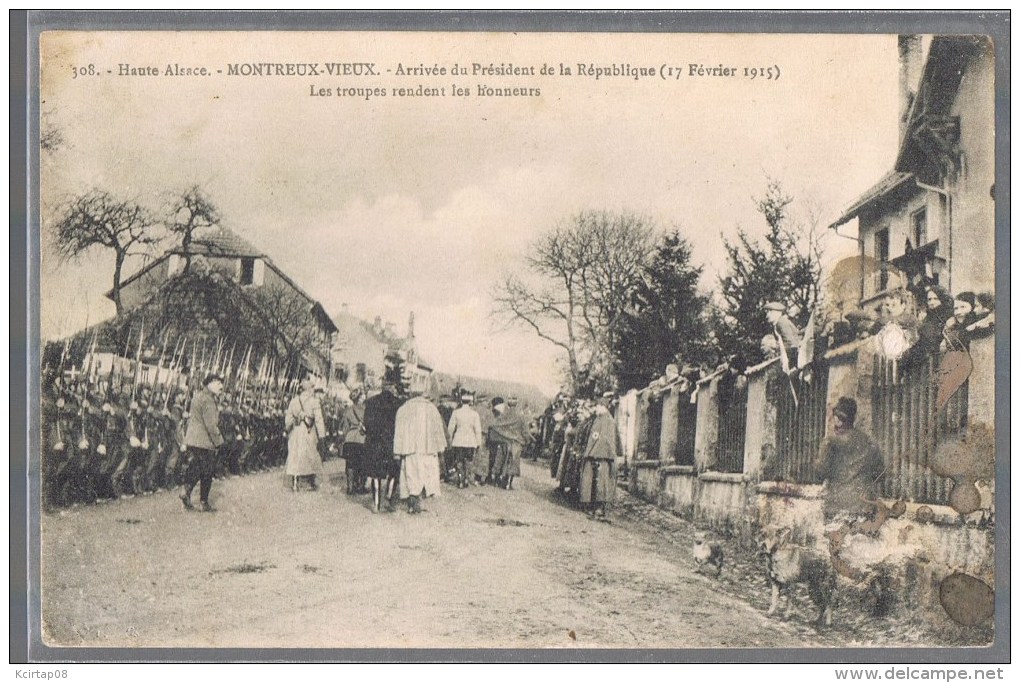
305,425
508,435
598,461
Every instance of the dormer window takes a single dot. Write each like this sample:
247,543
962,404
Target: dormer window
247,271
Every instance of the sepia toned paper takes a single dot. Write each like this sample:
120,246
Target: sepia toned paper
402,175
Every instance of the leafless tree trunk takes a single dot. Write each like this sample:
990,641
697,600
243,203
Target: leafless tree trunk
190,212
582,275
96,219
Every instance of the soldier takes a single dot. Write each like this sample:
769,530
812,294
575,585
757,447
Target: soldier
163,445
465,429
229,453
508,435
113,445
353,432
277,445
244,437
176,459
55,444
91,425
305,428
254,460
69,477
152,435
575,438
133,451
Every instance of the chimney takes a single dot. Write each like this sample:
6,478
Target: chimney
910,75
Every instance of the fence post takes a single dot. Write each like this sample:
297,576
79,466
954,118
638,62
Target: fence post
760,439
865,371
641,426
670,426
981,387
706,452
626,419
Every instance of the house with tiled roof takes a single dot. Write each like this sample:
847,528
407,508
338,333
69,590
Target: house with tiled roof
224,253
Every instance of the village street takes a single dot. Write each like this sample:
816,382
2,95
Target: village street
483,567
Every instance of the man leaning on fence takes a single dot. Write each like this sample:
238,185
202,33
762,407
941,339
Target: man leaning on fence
850,463
786,332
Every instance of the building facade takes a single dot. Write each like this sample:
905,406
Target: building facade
931,219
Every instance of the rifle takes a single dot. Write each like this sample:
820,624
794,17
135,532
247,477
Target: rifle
243,375
219,348
90,357
138,363
173,376
228,367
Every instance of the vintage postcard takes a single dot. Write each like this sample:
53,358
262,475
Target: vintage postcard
551,340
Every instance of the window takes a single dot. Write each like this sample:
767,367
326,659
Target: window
919,227
247,271
882,256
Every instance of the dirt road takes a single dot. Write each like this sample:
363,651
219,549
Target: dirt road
482,567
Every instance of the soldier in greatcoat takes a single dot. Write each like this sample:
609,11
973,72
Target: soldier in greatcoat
305,426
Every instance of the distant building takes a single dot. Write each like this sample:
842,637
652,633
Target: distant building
363,350
359,351
932,217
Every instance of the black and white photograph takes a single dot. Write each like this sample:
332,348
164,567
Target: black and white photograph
516,340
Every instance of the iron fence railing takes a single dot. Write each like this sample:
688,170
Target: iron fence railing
800,424
732,403
687,422
909,426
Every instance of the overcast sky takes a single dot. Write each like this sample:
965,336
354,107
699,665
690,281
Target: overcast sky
399,204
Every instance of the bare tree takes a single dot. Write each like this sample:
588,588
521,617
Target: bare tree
291,320
620,247
190,212
96,219
582,275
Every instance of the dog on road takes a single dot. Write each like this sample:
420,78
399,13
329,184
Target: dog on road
787,565
708,555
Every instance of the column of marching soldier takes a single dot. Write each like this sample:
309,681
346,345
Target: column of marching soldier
103,439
